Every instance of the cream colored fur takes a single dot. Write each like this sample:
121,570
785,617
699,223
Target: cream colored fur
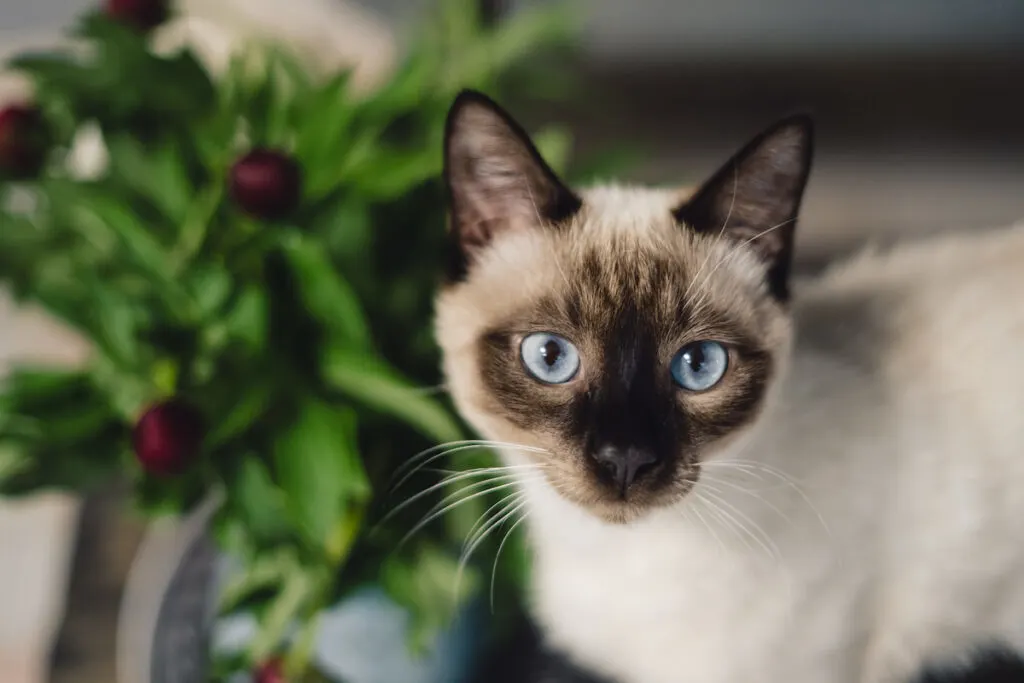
871,518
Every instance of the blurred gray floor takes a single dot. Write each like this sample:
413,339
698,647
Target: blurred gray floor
909,145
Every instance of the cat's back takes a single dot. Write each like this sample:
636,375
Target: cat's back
945,311
932,335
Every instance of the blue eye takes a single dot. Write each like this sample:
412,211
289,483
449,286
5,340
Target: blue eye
700,366
550,358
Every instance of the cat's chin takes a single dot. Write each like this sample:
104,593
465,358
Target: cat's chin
613,509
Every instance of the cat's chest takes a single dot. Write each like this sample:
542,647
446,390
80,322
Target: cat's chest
672,604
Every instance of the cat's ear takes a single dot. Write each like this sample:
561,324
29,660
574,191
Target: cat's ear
496,179
755,197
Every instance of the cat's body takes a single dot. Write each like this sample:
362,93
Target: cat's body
724,483
899,421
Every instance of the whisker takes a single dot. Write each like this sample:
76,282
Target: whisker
447,481
761,538
751,467
487,516
481,443
497,554
709,527
489,529
436,455
736,249
709,482
435,514
725,224
728,523
540,221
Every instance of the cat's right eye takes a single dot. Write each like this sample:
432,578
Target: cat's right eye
700,366
549,358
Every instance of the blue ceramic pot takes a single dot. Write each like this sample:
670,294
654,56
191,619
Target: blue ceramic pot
168,637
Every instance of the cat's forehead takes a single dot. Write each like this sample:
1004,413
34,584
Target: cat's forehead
623,248
632,213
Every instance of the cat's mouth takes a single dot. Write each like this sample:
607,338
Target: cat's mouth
617,500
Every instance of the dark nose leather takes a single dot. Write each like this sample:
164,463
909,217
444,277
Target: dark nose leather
624,463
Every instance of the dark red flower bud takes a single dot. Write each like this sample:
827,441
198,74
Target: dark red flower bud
143,15
168,437
271,671
266,184
24,141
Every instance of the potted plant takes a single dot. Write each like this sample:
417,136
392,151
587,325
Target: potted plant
253,266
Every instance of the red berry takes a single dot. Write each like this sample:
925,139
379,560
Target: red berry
266,184
168,437
24,141
141,14
271,671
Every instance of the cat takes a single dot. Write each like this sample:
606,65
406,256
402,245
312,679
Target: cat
726,475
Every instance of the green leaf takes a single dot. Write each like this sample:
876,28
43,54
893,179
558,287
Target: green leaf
267,570
210,286
319,468
126,390
252,403
298,587
431,588
392,173
325,293
247,319
143,248
181,87
28,386
13,460
52,406
555,145
370,381
159,174
321,128
117,323
51,70
259,500
344,223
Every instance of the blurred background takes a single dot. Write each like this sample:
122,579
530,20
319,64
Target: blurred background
920,111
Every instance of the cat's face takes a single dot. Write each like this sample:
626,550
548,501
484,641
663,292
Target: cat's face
623,335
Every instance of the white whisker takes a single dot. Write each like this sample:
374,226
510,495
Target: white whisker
445,509
747,525
725,224
434,455
447,481
482,536
497,554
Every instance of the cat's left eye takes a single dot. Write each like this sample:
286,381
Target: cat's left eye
700,366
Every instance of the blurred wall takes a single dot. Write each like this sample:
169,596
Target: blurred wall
666,29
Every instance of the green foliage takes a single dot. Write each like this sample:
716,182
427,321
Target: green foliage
306,346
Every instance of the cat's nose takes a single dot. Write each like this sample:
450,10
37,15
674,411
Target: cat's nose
625,463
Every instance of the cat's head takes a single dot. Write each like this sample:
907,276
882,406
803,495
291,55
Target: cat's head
624,335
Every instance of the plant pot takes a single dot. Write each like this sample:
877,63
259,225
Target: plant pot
168,626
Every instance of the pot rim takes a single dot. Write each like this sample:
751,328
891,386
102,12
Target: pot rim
158,557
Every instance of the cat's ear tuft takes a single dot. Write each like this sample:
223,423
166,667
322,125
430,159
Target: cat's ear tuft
496,179
755,197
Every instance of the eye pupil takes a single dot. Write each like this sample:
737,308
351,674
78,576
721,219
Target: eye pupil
695,358
551,352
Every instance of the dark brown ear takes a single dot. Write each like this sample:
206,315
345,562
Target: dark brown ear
496,179
755,197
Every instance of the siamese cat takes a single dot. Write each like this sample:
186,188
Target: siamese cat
725,477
